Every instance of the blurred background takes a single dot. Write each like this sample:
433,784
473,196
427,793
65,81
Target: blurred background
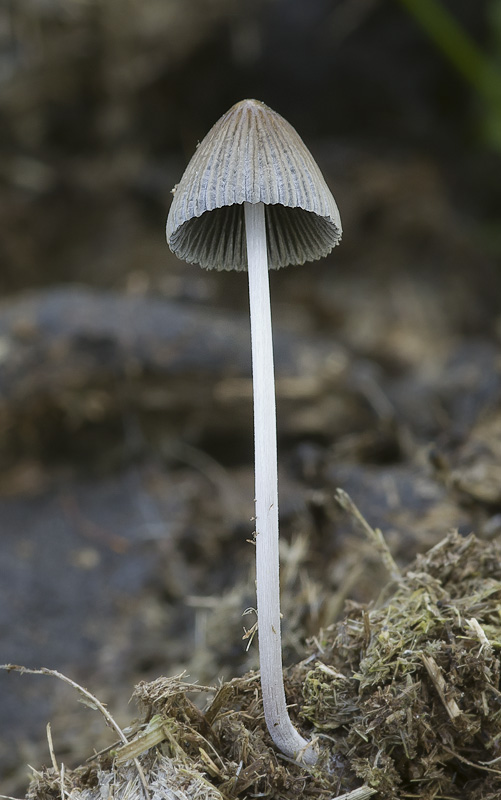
125,397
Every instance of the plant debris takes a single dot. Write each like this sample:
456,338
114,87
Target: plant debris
404,698
411,688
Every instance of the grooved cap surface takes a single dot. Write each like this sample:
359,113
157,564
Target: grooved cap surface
252,155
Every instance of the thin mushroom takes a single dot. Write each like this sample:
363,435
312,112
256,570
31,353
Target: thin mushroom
253,198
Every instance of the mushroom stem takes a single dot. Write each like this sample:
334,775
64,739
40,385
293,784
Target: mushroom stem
283,733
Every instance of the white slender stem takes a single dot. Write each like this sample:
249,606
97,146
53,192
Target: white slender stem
283,733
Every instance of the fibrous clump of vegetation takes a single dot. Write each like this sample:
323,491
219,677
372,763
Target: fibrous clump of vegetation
412,687
404,696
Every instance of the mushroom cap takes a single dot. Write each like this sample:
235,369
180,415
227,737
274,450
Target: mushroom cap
252,155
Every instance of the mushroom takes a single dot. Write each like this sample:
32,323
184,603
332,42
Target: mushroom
253,198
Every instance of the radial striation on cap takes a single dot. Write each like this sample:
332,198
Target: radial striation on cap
252,155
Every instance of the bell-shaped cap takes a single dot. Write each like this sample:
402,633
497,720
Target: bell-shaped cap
252,155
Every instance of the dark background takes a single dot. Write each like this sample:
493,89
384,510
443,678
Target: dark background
126,442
